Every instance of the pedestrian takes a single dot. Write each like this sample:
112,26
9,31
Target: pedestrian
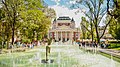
102,45
79,45
83,43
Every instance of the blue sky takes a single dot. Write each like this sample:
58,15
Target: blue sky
63,8
50,3
55,2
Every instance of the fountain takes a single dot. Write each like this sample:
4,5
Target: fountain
112,61
63,55
59,59
48,48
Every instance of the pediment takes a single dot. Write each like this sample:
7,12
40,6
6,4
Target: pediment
63,27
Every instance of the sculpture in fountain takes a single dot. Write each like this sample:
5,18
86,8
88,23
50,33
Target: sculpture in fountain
48,48
47,51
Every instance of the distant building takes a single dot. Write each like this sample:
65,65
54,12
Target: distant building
63,29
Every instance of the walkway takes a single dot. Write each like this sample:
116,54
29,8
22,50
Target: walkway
113,52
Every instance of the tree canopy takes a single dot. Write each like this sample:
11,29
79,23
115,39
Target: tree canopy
24,19
115,23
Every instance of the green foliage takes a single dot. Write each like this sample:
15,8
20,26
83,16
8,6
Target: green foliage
114,45
25,16
25,40
95,12
117,33
115,23
37,23
84,31
85,24
114,41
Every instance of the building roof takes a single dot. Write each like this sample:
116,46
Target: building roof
64,18
54,20
72,20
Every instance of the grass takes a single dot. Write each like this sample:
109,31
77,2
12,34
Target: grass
109,56
114,46
117,48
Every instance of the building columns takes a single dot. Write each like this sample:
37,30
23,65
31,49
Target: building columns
61,36
71,35
65,36
57,36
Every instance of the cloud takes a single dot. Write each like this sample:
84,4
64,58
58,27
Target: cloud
56,1
68,8
72,2
64,11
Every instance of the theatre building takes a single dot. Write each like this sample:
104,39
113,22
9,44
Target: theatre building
63,29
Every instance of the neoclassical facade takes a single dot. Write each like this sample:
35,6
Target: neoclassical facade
63,29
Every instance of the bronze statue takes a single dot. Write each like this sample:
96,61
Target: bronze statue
48,48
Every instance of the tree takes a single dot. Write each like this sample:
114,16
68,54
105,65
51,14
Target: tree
37,23
1,27
5,27
12,10
115,7
115,13
96,12
115,29
26,16
85,25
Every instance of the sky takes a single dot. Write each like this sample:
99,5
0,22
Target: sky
63,8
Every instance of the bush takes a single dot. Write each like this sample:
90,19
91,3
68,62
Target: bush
26,40
114,41
114,45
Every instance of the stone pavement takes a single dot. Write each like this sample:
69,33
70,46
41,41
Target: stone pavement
112,52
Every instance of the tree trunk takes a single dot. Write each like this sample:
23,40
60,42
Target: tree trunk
7,39
13,25
7,44
98,38
13,33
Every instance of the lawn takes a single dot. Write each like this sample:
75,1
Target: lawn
114,46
